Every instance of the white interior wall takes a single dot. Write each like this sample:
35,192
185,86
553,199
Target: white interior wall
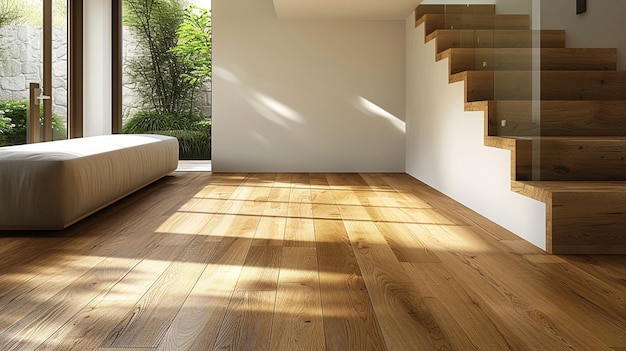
97,103
602,26
305,95
444,146
457,2
515,6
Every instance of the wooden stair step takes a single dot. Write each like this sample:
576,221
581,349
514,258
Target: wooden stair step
555,117
519,59
555,85
433,22
503,38
568,158
422,10
583,59
581,217
582,158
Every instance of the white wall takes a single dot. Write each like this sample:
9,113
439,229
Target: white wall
444,146
97,62
457,2
515,6
602,25
307,96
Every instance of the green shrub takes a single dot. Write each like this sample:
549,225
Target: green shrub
16,117
143,122
5,128
204,126
192,144
193,132
15,113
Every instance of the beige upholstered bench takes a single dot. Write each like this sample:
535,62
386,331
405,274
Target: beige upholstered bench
55,184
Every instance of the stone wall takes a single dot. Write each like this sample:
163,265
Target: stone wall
21,63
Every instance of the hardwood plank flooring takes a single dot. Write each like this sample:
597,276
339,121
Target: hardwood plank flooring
217,261
297,318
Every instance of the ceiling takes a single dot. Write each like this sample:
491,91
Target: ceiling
345,9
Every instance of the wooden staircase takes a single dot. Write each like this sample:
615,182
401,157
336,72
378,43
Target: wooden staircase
579,143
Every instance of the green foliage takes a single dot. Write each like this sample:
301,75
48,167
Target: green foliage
194,44
9,12
30,12
192,144
15,116
14,113
5,128
159,70
192,131
143,122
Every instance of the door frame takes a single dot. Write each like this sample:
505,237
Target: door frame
75,75
117,65
75,69
47,70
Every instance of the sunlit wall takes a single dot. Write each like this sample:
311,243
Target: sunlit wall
305,95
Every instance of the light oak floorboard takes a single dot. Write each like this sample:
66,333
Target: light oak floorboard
88,328
405,320
297,323
281,261
197,323
349,318
248,319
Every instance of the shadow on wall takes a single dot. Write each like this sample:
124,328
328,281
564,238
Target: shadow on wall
268,107
280,114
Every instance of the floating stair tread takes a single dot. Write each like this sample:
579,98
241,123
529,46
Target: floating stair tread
569,186
556,117
516,59
579,138
555,85
421,10
434,22
487,38
583,59
583,158
583,85
510,142
543,190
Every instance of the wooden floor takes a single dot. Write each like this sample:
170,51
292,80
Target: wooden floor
201,261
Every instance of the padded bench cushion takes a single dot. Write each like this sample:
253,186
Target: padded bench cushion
55,184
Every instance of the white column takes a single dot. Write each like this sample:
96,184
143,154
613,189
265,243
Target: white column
97,68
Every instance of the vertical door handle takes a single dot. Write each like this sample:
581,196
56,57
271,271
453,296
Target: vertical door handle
39,96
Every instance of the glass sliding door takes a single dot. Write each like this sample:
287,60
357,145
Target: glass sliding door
56,119
33,71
